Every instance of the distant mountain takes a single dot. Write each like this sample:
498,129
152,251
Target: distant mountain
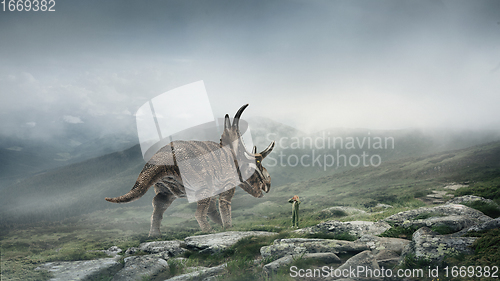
22,158
297,158
73,189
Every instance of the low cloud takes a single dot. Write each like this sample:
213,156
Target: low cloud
72,119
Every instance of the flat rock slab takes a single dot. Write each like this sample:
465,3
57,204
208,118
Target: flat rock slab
274,266
298,246
355,228
431,246
455,186
219,241
167,248
138,267
453,223
387,258
469,199
486,226
81,270
366,260
444,210
377,244
203,274
336,210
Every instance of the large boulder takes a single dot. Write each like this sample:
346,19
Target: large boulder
386,250
81,270
201,274
298,246
213,243
365,261
387,258
377,244
429,245
339,211
451,223
355,228
138,267
492,224
327,258
455,216
166,248
469,199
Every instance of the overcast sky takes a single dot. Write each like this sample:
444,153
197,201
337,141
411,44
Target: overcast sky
310,64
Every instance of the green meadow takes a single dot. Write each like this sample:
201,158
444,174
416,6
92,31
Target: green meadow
402,183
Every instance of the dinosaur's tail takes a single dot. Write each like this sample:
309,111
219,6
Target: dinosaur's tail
149,175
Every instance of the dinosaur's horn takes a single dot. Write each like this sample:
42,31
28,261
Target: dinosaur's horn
237,116
267,150
227,122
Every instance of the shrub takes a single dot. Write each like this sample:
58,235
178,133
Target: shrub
486,208
400,232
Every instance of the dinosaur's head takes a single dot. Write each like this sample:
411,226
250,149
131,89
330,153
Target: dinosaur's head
259,180
255,177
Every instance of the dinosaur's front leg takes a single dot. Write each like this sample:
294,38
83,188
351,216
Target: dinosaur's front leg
201,214
213,213
160,204
225,207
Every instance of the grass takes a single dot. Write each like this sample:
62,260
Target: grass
412,262
488,187
486,208
399,183
487,248
400,232
486,253
442,229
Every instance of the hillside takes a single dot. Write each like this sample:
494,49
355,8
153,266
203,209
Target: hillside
74,189
401,183
22,158
80,188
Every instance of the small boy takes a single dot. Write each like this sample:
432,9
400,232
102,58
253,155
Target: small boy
295,210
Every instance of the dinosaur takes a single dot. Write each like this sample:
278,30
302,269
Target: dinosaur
221,166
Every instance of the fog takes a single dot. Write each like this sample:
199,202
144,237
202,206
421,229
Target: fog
309,64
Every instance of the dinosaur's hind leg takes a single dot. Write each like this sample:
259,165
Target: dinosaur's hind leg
160,204
225,207
213,214
201,214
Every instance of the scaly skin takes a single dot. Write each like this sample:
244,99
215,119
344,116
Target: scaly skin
206,162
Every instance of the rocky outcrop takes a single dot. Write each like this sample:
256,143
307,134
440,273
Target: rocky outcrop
213,243
327,258
81,270
145,266
485,226
451,223
429,245
368,263
378,244
423,215
202,274
299,246
380,207
369,251
470,198
339,211
166,248
355,228
139,267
